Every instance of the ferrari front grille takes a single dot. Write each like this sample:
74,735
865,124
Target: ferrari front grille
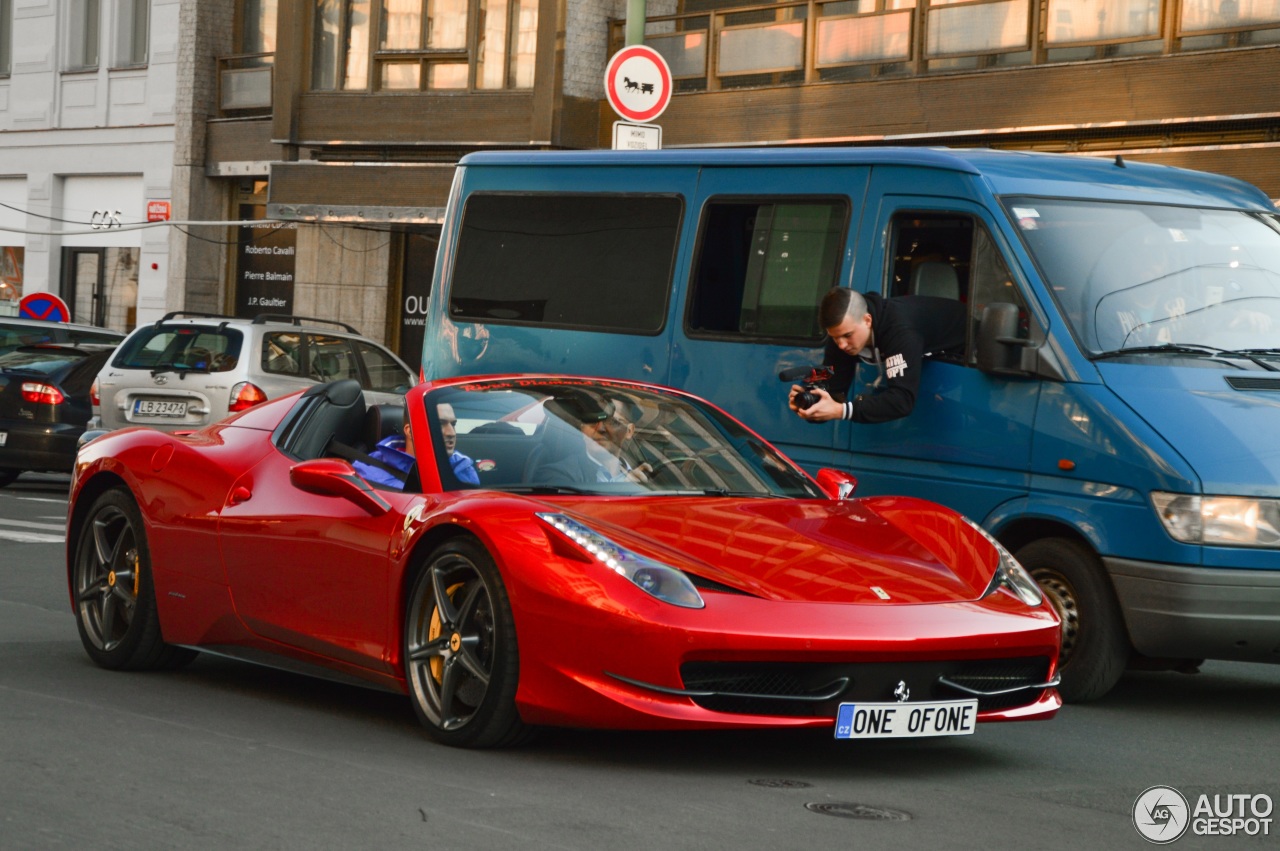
804,689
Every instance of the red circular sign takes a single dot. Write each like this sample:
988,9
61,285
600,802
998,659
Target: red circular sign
637,83
45,306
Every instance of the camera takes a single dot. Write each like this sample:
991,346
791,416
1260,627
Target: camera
811,378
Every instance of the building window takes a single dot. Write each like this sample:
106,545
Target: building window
82,35
257,26
6,36
135,18
425,44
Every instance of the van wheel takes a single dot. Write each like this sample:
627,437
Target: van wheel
1095,646
8,477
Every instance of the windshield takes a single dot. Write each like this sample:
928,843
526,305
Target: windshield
180,348
585,436
40,359
1130,276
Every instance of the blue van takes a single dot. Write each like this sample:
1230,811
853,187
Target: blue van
1114,420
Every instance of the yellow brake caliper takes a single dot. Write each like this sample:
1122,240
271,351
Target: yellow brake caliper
433,632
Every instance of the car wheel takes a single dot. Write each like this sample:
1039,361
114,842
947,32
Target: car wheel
461,657
114,594
1095,646
8,477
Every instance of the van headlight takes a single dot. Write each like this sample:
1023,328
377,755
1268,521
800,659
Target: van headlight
1229,521
654,578
1010,575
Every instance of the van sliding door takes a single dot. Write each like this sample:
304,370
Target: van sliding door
770,241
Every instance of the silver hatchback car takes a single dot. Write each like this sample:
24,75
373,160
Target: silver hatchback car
190,369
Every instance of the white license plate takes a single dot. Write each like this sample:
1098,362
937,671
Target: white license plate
4,436
906,720
158,408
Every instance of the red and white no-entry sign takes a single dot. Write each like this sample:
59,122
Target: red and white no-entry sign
637,83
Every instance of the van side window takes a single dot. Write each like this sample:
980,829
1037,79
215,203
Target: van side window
762,267
951,255
598,262
930,254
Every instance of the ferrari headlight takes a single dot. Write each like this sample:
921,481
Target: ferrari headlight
1009,574
653,577
1231,521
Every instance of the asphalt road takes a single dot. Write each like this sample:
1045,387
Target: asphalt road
226,755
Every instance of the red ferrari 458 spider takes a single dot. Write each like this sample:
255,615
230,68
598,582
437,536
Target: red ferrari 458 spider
548,550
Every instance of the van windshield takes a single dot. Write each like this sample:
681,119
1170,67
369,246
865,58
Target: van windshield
1137,276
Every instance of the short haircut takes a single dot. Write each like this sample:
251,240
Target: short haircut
839,303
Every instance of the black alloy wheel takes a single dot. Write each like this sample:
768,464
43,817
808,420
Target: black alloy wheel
114,596
460,651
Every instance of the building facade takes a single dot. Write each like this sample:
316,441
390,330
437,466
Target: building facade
342,121
87,94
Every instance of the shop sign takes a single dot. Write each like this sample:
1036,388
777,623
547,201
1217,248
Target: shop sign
266,260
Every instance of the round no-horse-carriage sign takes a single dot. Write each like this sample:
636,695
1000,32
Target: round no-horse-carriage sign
637,83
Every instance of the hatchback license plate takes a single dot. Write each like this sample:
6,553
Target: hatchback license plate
906,720
159,408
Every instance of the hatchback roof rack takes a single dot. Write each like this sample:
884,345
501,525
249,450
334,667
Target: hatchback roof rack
176,313
263,318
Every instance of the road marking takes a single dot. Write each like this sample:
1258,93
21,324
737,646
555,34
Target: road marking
31,537
27,524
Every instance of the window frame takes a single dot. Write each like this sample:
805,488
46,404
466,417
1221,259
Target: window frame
83,31
979,229
423,57
696,264
132,46
6,38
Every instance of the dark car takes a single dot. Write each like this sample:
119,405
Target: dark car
44,405
16,331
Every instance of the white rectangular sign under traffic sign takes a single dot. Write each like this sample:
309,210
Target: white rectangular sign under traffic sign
636,137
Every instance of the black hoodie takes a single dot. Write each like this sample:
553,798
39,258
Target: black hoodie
903,330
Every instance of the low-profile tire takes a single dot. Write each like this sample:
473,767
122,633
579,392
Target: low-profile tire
1095,645
114,594
462,662
8,477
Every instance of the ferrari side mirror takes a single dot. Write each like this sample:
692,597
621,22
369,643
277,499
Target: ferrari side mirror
335,477
837,484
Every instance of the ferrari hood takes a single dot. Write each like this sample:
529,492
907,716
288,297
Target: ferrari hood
882,550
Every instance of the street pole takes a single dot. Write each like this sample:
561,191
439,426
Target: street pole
635,22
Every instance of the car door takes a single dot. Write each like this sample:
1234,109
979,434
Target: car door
387,379
968,441
309,570
770,242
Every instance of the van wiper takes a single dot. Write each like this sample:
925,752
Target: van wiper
1191,349
1163,348
1256,356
